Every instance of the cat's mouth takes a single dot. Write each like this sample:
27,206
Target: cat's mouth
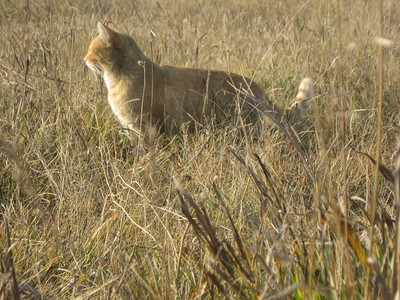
96,68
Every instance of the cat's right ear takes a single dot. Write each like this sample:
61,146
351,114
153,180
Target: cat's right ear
106,34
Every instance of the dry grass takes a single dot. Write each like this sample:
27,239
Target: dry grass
203,216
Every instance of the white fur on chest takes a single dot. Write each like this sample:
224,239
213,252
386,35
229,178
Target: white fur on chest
108,81
120,106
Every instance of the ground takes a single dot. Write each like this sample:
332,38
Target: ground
86,215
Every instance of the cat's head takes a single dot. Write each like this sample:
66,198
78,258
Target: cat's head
110,49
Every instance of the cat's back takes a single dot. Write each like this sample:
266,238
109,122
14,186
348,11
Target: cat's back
188,76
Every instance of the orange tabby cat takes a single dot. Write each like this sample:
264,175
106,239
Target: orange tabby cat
143,95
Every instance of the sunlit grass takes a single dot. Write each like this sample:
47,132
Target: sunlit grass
206,215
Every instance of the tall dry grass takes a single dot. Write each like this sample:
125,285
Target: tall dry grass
204,215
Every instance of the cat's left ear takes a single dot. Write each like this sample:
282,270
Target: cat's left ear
111,25
107,35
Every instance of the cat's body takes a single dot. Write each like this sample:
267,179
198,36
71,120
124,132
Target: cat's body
142,93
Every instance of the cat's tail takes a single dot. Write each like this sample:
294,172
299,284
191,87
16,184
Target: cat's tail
302,103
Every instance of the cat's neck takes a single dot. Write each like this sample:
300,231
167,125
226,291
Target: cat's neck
128,69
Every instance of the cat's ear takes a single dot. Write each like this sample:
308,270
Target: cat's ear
111,25
106,34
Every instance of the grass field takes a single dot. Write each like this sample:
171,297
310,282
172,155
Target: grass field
204,215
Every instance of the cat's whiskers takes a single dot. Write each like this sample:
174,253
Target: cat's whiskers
96,68
99,69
